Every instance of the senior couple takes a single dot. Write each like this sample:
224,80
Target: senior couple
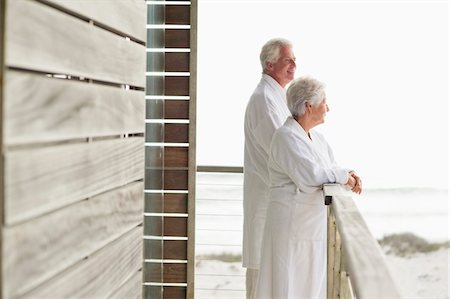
285,164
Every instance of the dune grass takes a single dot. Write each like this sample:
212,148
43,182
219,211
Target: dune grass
408,243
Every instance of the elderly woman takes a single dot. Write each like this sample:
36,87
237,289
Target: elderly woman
293,258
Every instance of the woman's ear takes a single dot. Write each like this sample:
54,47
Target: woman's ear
308,107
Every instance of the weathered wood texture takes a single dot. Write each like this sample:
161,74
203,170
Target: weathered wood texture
125,16
165,226
113,267
44,179
364,260
178,14
165,249
71,47
171,272
41,109
331,240
131,289
166,292
166,203
177,62
43,247
2,99
73,191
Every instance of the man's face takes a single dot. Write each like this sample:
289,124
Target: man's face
283,70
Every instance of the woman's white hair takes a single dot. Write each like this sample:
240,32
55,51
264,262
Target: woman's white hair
270,52
304,90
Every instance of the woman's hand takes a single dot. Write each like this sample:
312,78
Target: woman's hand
357,186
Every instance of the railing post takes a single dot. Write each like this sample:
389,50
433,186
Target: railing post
348,235
345,288
337,265
331,244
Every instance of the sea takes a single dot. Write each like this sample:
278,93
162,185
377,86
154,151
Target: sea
421,211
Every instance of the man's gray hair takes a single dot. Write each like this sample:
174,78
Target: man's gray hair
304,90
270,52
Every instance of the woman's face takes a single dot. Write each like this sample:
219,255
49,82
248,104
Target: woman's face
318,112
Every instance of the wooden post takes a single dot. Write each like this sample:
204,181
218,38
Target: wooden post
331,240
344,280
192,152
337,265
2,69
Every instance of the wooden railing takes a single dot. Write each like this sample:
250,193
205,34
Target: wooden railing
356,264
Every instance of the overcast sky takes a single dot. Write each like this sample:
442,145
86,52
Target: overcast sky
385,65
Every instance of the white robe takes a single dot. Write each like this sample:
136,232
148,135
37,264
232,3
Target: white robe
266,111
293,258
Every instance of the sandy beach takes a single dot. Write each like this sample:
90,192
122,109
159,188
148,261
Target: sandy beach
419,276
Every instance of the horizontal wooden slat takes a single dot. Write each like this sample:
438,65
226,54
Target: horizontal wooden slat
157,157
153,226
178,14
176,250
36,250
165,292
176,109
155,37
44,179
177,38
176,133
39,109
63,44
176,62
175,180
154,179
154,109
103,271
154,156
154,85
165,226
172,273
155,62
127,16
165,203
167,249
176,156
153,272
176,86
131,289
174,292
154,132
175,226
153,249
175,203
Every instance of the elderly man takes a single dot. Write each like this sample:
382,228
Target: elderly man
266,111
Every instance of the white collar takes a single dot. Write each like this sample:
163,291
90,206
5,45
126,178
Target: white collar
272,82
297,128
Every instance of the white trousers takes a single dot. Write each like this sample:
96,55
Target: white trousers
251,279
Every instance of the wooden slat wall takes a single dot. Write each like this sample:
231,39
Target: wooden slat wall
73,123
170,151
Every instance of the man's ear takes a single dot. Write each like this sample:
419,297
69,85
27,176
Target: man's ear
269,66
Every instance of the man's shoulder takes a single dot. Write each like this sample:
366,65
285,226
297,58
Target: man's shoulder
262,95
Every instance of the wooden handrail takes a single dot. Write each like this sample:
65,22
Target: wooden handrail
227,169
356,264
